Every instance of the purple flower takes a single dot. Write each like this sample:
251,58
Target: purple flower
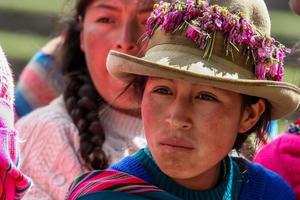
265,52
260,71
192,33
226,25
287,50
280,72
172,20
191,13
218,23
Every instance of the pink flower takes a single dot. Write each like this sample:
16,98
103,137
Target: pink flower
191,12
172,20
265,52
218,23
192,33
280,72
260,71
287,50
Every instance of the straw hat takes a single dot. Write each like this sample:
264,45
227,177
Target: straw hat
226,47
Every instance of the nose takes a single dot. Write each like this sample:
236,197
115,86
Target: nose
127,41
179,117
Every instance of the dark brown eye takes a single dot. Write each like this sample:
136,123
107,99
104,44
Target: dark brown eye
105,20
163,91
206,97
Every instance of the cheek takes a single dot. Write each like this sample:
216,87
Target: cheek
221,125
95,43
95,50
152,117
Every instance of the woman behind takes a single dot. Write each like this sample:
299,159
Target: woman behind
67,138
212,75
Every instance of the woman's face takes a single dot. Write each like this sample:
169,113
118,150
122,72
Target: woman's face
190,128
117,25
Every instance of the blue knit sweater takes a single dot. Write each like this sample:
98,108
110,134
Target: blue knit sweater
258,183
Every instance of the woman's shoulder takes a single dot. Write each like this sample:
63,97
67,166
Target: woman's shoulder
49,125
56,108
261,183
51,116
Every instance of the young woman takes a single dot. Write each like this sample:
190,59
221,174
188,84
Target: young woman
40,81
13,183
209,82
67,137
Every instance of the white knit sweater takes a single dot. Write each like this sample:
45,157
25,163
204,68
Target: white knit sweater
49,150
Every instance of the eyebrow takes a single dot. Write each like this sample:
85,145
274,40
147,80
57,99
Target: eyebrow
142,9
106,6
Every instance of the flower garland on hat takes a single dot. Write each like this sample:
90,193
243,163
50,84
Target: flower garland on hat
202,21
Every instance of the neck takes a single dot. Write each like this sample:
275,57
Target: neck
226,187
203,181
136,112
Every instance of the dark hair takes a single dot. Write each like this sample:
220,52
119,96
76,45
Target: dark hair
80,95
260,128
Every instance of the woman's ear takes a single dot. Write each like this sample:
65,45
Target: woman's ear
251,115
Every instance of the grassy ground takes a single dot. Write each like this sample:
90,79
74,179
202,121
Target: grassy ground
35,6
21,46
285,24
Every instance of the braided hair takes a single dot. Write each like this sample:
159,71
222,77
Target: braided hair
80,95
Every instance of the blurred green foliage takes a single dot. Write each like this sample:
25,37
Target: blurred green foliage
21,46
285,24
35,6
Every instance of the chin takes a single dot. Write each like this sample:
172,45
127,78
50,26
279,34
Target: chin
174,169
178,173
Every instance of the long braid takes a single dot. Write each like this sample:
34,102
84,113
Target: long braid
82,102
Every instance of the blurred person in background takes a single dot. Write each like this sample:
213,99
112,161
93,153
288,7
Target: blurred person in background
13,183
69,136
41,80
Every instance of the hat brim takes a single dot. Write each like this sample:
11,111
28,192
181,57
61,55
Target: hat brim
283,97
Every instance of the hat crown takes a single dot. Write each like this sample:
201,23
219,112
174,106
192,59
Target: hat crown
213,45
200,22
255,12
